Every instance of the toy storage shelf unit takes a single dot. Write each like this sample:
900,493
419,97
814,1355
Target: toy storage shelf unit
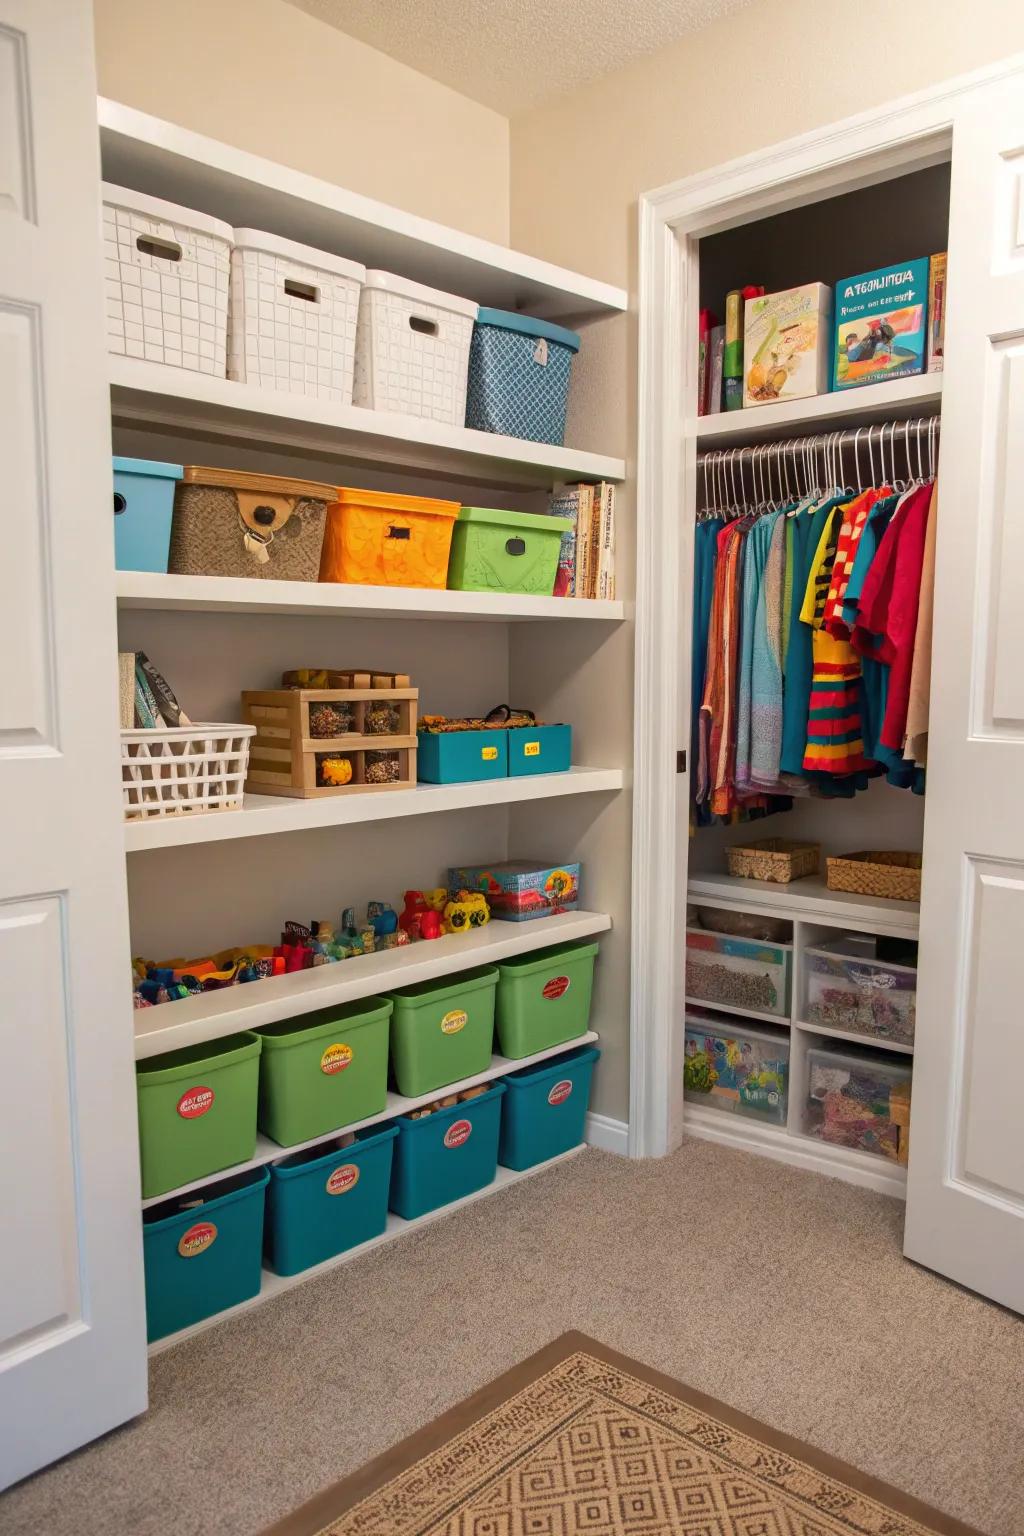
285,753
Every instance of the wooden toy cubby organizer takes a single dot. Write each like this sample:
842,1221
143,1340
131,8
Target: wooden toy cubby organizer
283,759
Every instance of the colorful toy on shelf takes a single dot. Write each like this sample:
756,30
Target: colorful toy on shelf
466,910
410,918
333,772
436,898
382,917
430,924
519,889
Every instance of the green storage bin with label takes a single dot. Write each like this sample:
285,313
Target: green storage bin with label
324,1070
544,999
443,1031
197,1111
496,551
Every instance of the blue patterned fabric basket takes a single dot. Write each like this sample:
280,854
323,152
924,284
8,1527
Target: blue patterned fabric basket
519,376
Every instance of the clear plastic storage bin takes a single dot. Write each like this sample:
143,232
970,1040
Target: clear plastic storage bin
860,1099
849,987
738,973
728,1065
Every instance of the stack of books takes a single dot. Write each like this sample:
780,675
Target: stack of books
586,565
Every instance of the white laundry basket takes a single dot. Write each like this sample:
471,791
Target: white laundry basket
412,349
170,771
166,272
292,316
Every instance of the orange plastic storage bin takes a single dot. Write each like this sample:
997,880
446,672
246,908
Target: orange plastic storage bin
389,541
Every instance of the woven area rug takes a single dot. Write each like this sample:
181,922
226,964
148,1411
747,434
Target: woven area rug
580,1441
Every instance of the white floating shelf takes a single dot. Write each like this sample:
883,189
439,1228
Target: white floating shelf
873,1041
262,815
268,1151
155,395
892,401
169,1026
397,1226
247,191
809,899
239,594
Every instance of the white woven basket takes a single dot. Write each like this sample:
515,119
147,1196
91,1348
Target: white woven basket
166,270
412,349
292,316
174,770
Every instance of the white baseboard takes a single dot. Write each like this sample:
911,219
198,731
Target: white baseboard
607,1134
799,1151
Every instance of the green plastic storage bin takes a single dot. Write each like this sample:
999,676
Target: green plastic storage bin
324,1070
544,999
443,1031
496,551
199,1260
197,1111
447,1155
461,757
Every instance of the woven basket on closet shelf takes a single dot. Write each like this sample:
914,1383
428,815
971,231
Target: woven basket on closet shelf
891,874
184,768
774,858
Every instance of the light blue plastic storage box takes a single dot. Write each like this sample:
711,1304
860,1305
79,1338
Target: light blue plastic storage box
539,749
143,505
447,1155
545,1108
519,376
322,1203
200,1260
458,757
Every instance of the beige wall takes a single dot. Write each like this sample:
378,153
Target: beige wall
578,167
264,76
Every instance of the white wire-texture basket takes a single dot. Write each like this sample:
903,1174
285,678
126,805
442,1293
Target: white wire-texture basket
185,768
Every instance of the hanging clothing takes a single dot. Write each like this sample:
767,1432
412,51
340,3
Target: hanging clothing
806,534
834,741
718,705
916,744
766,689
752,640
846,553
704,554
889,603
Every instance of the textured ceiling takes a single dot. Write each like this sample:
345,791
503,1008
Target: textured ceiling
513,54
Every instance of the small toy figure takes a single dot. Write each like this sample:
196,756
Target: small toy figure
368,938
412,914
436,898
335,771
382,917
468,910
430,924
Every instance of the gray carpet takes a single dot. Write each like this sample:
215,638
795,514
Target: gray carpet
780,1292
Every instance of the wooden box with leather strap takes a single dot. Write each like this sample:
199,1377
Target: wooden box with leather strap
231,523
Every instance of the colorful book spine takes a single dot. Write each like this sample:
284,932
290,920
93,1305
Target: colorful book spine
732,357
936,311
606,548
565,504
147,713
717,365
705,324
584,515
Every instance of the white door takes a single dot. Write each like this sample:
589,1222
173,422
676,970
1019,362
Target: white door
72,1332
965,1205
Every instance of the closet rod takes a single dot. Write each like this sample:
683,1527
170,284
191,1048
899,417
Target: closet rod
878,433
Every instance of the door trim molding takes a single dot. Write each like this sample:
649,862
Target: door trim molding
908,134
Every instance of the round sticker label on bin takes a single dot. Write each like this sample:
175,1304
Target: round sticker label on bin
342,1179
335,1059
454,1021
195,1102
558,986
197,1239
561,1091
458,1133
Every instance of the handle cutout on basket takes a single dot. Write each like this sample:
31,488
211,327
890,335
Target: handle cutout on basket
423,326
150,245
306,291
397,533
515,546
120,505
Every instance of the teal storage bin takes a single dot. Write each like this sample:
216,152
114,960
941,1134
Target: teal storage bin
143,507
446,1156
495,551
459,757
202,1259
545,1109
320,1204
539,749
519,370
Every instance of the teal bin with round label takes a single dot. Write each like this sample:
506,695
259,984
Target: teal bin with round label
323,1071
197,1111
544,1111
544,998
202,1252
443,1031
447,1155
322,1202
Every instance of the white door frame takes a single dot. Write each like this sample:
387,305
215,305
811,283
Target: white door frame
904,136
